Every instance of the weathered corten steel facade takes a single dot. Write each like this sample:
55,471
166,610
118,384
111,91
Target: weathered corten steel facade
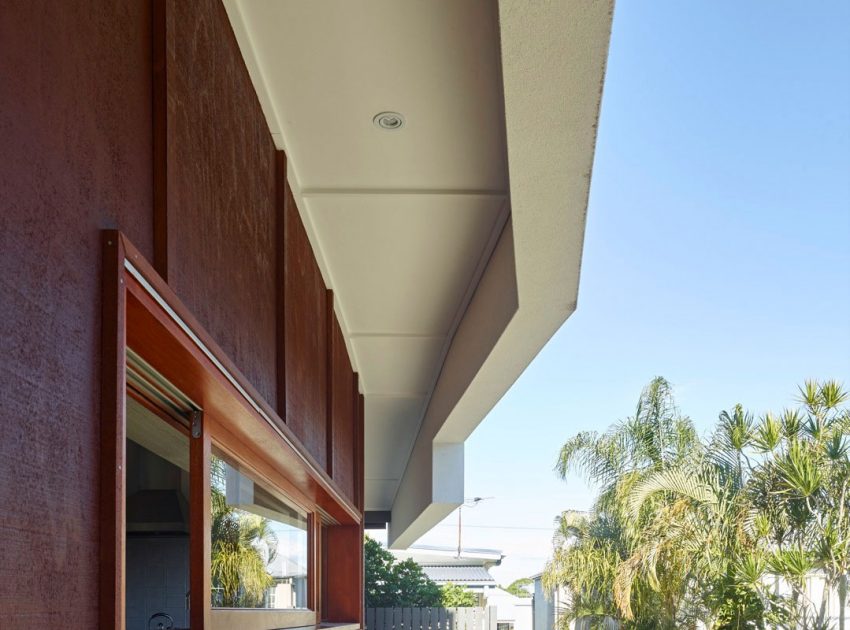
140,117
224,284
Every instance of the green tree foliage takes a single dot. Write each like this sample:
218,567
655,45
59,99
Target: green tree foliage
589,549
456,596
518,588
390,583
686,531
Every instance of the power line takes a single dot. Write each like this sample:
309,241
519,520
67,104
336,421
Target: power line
540,529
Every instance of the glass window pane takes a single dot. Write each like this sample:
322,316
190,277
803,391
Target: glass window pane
259,543
157,522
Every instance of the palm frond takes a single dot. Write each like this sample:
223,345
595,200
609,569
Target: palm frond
799,472
674,481
768,434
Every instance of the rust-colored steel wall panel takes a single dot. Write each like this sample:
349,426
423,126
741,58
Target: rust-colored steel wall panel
220,189
75,122
344,598
306,338
195,187
343,407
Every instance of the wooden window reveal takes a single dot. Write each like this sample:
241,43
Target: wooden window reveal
142,314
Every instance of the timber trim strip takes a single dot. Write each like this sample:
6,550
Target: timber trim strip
112,433
280,279
200,516
155,287
159,17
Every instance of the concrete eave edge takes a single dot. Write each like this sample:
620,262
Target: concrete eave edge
553,66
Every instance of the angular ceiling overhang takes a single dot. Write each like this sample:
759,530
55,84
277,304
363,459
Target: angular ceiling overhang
553,67
453,245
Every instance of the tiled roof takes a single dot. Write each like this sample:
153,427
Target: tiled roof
283,567
459,574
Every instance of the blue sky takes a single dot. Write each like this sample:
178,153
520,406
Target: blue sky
717,250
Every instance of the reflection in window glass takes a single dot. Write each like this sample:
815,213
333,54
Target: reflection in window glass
259,544
157,520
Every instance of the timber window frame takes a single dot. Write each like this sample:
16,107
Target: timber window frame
140,313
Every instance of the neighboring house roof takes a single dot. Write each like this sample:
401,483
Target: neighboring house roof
285,567
466,575
466,552
443,565
447,556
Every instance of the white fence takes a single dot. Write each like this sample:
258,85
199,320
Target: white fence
472,618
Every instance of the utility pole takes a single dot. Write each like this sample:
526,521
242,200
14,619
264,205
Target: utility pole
459,516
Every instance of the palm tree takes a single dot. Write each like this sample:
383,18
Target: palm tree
807,485
738,521
243,545
585,558
700,524
656,438
683,532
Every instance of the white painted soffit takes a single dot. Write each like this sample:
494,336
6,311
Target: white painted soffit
443,300
553,66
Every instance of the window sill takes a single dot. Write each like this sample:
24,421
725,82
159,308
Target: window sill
261,619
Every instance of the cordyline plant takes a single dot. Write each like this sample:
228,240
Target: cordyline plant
687,531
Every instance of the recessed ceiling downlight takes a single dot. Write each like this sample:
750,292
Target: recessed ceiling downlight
389,121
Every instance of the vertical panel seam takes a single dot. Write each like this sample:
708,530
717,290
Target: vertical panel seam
330,344
159,94
280,280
